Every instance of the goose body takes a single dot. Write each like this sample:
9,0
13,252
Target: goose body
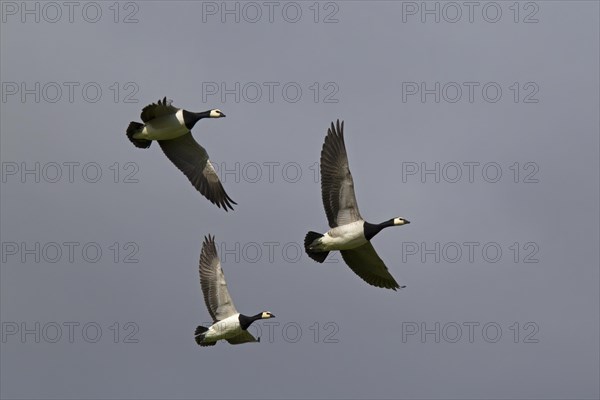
228,323
349,233
167,127
343,237
171,128
225,329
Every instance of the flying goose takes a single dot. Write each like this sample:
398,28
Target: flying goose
170,127
228,323
349,232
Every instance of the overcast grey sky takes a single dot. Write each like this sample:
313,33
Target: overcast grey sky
480,127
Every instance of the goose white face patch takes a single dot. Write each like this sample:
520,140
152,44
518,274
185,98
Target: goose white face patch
215,113
399,221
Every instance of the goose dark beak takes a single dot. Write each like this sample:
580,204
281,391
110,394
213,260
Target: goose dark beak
223,115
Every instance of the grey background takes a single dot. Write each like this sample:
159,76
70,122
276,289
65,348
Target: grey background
368,53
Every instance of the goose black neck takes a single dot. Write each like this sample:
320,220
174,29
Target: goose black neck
190,118
246,321
371,230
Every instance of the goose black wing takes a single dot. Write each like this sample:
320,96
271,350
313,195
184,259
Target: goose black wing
192,160
212,281
244,337
337,185
365,263
155,110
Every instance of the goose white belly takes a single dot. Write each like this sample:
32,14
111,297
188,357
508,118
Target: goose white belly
344,237
224,329
164,128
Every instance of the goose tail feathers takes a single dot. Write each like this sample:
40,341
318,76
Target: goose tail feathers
318,256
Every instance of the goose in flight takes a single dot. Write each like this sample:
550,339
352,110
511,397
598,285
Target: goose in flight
170,127
228,323
349,232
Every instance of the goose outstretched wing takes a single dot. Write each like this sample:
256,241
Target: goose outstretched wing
212,280
157,110
337,185
192,160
